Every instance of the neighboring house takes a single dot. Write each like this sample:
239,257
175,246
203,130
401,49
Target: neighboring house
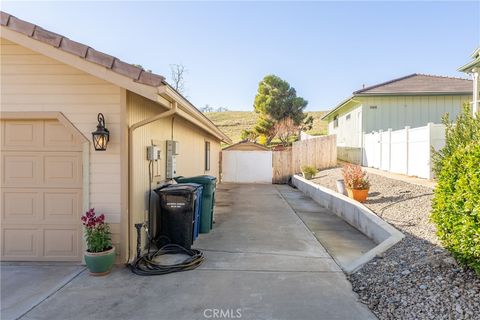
413,100
52,89
473,68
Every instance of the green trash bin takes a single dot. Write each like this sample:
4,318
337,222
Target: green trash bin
208,201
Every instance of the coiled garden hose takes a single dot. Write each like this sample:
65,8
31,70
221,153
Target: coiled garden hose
147,266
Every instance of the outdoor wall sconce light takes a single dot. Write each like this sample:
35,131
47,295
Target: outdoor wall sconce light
101,136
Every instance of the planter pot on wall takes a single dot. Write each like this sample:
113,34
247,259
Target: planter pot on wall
341,187
307,176
100,263
359,195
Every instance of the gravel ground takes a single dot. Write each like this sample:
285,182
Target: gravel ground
416,278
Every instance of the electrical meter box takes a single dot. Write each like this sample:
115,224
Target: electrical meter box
153,153
172,152
173,147
171,167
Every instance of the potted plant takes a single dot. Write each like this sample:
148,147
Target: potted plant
100,253
356,182
308,172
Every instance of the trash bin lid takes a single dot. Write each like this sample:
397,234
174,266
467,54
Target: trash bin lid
190,184
204,179
178,188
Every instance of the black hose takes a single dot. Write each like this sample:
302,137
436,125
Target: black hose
147,266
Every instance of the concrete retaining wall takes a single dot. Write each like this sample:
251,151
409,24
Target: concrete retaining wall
357,215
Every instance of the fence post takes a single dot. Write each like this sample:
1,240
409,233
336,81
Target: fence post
429,139
380,148
407,145
389,149
362,146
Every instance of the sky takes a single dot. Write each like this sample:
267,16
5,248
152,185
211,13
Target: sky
325,50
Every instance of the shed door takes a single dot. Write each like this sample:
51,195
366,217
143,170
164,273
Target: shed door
247,166
41,179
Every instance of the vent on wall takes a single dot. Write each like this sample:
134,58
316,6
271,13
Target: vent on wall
373,107
348,116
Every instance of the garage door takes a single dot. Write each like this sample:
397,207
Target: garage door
247,166
41,191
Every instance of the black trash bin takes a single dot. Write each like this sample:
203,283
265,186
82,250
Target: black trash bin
177,203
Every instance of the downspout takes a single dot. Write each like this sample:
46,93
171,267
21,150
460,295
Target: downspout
131,176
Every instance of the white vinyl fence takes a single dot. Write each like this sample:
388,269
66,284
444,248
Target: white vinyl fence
406,151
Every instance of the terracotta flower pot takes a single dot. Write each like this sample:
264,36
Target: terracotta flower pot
100,263
359,195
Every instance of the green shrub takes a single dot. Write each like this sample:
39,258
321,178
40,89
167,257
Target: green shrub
309,170
458,134
456,204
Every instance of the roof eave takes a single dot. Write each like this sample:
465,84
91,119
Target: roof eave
148,91
420,93
469,66
337,108
169,91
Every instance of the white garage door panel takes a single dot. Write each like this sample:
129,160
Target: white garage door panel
21,169
247,166
63,170
62,206
41,192
20,243
21,205
61,243
22,135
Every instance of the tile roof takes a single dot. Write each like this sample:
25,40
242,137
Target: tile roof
420,84
81,50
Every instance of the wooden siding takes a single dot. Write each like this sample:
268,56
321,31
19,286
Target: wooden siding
415,111
349,128
32,82
190,160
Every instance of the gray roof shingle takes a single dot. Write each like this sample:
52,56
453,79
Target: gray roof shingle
420,84
83,51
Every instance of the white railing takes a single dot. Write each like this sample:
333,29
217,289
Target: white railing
406,151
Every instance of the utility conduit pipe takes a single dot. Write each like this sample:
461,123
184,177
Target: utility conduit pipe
173,110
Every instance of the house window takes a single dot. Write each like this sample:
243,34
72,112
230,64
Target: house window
348,116
335,122
207,156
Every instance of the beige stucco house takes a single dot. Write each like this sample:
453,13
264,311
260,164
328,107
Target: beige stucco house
52,89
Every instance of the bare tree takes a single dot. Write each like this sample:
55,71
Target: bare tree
207,108
286,129
178,72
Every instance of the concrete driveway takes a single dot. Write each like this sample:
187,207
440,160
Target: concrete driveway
261,263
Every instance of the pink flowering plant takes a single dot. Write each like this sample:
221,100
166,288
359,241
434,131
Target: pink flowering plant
355,177
97,232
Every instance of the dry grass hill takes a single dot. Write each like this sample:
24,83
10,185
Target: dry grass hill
233,122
